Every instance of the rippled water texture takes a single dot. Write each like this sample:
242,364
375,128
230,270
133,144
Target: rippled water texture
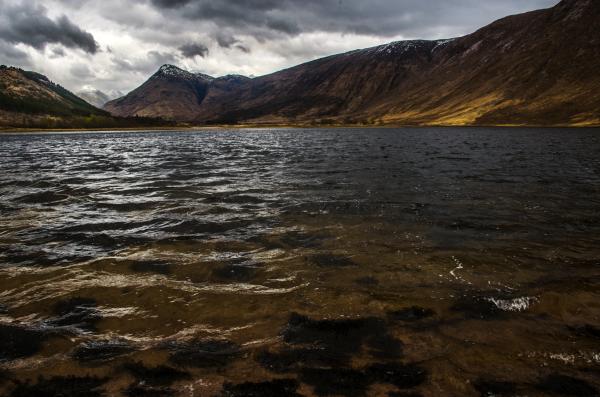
433,262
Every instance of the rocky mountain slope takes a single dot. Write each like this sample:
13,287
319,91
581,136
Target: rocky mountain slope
29,94
31,100
171,93
537,68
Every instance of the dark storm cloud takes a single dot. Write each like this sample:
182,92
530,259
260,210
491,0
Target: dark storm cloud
147,64
12,55
225,40
170,3
58,52
374,17
192,50
29,24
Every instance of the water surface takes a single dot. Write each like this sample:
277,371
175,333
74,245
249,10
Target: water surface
393,262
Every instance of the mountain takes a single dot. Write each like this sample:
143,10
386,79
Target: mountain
537,68
31,100
94,97
31,96
171,93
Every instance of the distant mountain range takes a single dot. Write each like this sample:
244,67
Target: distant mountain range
96,97
538,68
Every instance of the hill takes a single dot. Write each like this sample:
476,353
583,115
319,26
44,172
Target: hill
31,100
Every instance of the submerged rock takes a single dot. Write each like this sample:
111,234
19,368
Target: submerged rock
492,388
101,351
19,342
61,387
155,376
411,314
80,313
477,308
295,359
322,351
402,376
564,385
339,381
329,260
587,331
404,394
204,353
151,267
367,281
301,240
5,376
148,391
344,337
354,382
274,388
235,272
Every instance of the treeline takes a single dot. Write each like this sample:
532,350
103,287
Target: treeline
31,105
43,110
84,122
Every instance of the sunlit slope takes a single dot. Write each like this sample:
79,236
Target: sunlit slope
538,68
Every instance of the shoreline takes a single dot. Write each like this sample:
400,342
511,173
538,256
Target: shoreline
15,131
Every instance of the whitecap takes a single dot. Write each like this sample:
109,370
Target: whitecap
514,305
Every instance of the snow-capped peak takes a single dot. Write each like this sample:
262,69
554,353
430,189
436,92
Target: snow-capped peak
441,43
174,71
398,47
402,47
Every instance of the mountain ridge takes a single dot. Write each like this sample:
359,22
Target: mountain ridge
536,68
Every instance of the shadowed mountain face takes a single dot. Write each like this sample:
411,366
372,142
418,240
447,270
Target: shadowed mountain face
538,68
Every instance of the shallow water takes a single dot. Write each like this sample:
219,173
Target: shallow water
393,262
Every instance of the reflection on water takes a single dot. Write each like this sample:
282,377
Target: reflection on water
419,262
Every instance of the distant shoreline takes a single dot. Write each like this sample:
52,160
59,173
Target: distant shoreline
14,131
76,130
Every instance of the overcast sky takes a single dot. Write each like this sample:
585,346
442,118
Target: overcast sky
115,45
